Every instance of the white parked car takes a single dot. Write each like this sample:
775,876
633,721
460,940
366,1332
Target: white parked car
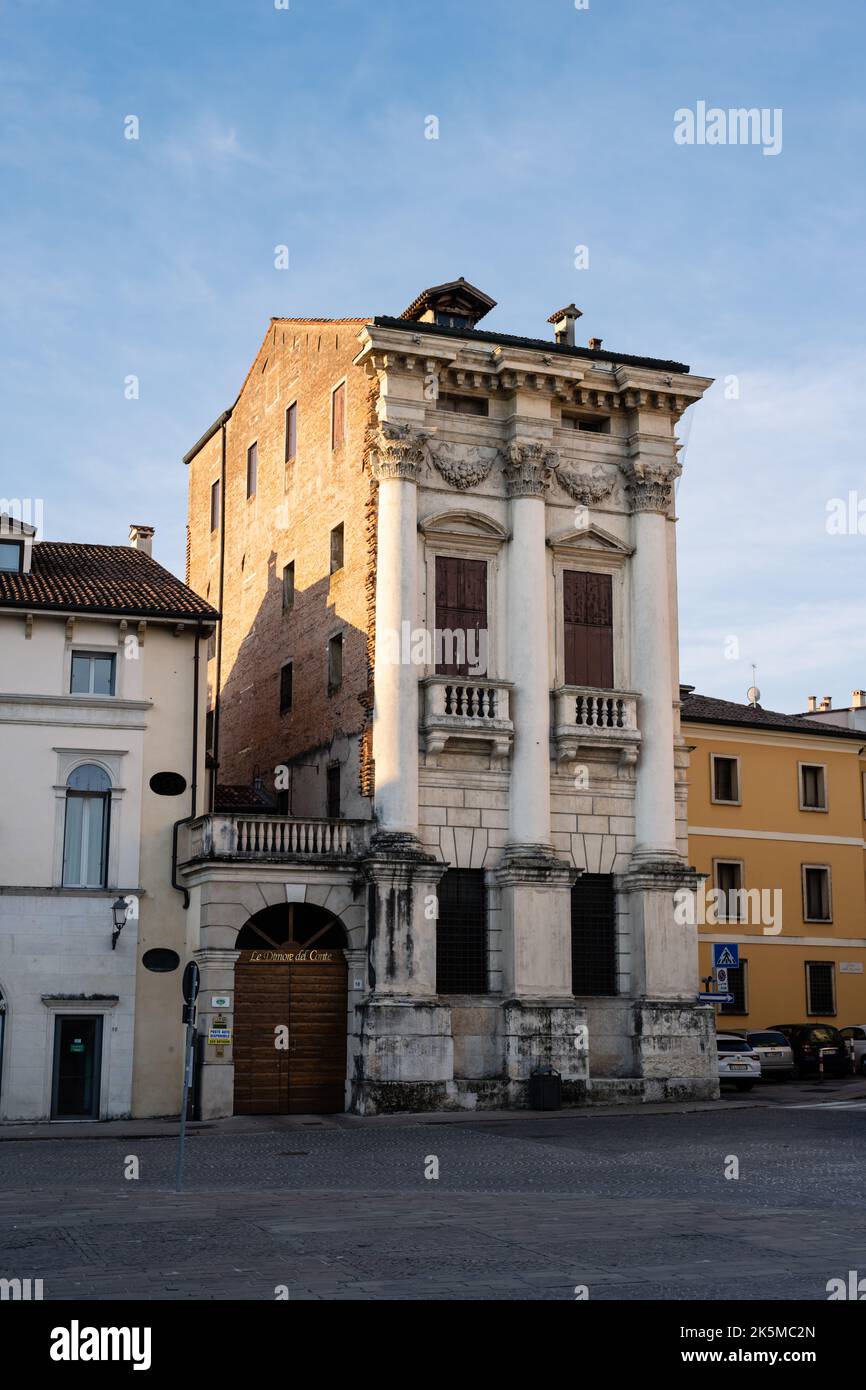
855,1041
774,1052
738,1061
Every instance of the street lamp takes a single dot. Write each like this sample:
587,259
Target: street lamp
119,911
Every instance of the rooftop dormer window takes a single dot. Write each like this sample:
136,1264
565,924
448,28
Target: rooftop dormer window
456,304
12,556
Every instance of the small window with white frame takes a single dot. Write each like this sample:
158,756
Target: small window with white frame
728,879
817,893
813,786
725,775
93,673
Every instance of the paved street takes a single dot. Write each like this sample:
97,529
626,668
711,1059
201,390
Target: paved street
632,1205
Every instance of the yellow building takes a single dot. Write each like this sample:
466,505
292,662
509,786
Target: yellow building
777,818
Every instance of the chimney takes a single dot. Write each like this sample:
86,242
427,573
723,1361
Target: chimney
595,344
825,704
858,699
141,538
813,704
563,324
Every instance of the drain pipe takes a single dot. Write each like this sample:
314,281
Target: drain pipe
187,820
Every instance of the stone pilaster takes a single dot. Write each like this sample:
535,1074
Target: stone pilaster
650,489
394,460
405,1053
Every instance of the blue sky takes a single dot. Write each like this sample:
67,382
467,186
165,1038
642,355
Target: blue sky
305,127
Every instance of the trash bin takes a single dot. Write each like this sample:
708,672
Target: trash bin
545,1089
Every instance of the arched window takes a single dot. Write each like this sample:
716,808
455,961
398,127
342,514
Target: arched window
85,841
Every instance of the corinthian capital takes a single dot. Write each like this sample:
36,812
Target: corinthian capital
528,468
397,450
650,484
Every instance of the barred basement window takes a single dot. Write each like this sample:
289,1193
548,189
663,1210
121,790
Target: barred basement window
461,933
593,935
738,987
820,987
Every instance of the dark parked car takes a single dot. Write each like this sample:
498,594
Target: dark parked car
809,1040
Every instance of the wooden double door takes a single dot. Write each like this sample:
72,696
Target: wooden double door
290,1031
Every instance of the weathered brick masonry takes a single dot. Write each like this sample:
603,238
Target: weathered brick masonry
289,519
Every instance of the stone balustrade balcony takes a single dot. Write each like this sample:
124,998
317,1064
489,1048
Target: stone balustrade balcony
240,836
467,711
587,721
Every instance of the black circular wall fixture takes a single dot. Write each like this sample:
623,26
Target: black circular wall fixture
160,959
168,784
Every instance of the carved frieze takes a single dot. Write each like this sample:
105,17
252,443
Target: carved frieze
461,465
587,488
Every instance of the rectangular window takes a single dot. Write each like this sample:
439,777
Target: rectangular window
726,779
593,935
592,424
462,405
209,731
738,986
820,987
335,663
289,587
461,616
813,787
729,881
215,505
291,432
286,688
11,554
817,906
333,792
211,646
461,933
338,416
252,469
92,673
337,542
587,600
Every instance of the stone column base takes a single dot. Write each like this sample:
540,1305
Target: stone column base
675,1048
404,1058
545,1033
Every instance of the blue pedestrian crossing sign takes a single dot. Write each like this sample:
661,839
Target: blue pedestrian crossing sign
726,953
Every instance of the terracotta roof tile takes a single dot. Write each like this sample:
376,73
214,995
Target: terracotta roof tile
705,709
100,579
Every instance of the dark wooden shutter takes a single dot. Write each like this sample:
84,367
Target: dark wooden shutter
588,619
461,607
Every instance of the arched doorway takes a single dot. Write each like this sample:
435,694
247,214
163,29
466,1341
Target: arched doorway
290,1013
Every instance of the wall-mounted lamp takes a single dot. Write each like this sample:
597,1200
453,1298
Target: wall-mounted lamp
119,911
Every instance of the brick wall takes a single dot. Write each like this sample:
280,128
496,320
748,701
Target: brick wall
289,519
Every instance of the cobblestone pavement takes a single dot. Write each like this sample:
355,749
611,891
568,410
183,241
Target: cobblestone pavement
524,1207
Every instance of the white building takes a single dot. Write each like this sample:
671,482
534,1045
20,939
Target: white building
100,695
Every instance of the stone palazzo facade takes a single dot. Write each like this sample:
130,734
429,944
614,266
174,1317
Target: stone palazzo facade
486,789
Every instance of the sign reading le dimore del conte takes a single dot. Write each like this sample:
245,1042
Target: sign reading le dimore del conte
301,955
